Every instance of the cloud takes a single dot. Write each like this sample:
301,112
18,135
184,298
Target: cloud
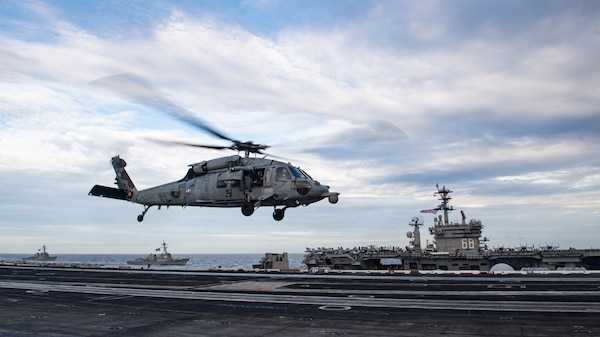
496,98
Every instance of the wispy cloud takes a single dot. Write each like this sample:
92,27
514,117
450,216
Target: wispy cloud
380,100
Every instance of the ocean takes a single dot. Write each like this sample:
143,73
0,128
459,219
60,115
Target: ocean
196,262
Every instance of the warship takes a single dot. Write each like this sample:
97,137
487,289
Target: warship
41,255
163,259
457,246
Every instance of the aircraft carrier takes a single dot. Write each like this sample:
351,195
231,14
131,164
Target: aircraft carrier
456,246
67,302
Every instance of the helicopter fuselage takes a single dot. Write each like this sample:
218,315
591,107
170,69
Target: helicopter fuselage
232,181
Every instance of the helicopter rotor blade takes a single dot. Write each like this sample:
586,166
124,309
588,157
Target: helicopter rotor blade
214,147
142,92
178,143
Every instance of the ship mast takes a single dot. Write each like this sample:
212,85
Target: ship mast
443,196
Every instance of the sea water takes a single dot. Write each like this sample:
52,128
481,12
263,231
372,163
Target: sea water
196,262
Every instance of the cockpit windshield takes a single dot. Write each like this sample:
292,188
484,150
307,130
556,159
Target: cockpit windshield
305,174
297,173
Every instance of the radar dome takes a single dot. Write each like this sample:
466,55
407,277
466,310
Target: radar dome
500,267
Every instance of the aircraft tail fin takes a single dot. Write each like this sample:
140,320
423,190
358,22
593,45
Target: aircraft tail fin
122,180
126,190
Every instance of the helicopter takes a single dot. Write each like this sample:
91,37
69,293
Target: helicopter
246,182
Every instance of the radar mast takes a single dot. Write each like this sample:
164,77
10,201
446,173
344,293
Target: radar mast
443,196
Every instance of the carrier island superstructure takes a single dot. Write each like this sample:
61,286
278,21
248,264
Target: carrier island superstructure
456,246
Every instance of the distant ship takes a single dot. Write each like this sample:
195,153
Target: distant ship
163,259
457,246
41,255
273,261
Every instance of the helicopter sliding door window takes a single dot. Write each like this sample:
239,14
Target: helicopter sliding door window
267,177
257,178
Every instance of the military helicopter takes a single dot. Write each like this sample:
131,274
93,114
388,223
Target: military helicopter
247,182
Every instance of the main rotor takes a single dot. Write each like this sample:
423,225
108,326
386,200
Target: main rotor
142,92
246,147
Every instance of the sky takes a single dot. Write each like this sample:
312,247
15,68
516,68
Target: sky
499,101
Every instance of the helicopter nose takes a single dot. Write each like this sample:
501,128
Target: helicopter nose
320,192
331,196
323,189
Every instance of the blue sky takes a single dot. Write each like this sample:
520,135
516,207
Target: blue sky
381,100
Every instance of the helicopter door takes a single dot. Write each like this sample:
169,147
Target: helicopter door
228,186
282,181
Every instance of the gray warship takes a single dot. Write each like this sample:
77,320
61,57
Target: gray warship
457,246
41,255
163,259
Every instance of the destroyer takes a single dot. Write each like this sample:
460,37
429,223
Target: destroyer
456,246
41,255
163,258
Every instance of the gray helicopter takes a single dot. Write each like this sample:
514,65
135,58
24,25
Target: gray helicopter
247,182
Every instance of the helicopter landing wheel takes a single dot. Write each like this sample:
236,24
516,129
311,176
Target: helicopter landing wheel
140,217
278,214
248,209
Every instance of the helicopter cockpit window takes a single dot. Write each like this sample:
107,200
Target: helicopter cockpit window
282,174
297,173
305,174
